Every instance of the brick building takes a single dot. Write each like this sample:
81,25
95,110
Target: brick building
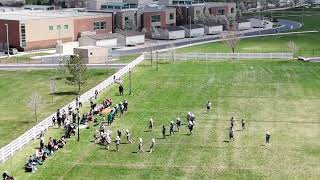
42,29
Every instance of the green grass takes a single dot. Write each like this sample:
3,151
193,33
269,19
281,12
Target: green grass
280,96
17,86
308,43
127,58
22,59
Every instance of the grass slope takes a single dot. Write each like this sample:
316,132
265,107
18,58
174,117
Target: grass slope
17,86
279,96
308,43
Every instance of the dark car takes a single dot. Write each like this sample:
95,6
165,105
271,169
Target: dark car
12,51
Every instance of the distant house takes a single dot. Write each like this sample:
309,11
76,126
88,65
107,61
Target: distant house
38,7
171,33
105,40
244,24
130,38
212,28
193,30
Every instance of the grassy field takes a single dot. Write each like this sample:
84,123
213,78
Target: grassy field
282,97
308,43
17,86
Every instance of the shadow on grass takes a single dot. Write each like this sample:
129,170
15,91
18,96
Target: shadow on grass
226,141
262,145
66,93
239,130
135,152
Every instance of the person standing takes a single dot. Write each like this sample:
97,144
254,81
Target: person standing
119,134
96,94
243,124
150,124
128,136
268,135
121,90
163,132
153,143
125,105
190,126
231,133
117,143
171,128
53,121
178,123
140,145
208,106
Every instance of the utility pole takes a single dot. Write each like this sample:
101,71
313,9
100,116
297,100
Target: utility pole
130,89
157,60
302,15
78,126
8,46
259,20
190,29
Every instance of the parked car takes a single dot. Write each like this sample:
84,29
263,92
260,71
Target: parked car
12,51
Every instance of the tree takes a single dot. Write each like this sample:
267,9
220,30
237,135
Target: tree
34,103
76,71
231,38
53,87
293,47
172,50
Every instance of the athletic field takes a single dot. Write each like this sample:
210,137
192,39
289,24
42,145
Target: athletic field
282,97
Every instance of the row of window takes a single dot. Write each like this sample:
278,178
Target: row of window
100,25
23,35
51,28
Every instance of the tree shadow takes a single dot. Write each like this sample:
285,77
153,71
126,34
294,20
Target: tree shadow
66,93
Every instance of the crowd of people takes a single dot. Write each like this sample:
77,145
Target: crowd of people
44,152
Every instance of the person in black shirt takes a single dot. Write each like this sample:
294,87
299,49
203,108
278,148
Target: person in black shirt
163,131
121,90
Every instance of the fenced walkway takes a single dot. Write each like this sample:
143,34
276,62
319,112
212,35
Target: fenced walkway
216,56
34,132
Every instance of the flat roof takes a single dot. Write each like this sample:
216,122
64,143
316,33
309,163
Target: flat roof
174,28
37,15
102,36
154,7
131,33
193,26
90,47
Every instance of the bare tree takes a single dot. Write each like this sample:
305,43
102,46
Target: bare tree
53,88
231,38
293,47
34,103
172,51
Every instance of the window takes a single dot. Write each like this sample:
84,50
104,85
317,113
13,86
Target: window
221,12
51,28
155,18
23,35
58,27
232,10
126,18
171,15
99,25
66,26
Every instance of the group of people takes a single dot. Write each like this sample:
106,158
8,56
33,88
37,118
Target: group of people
43,152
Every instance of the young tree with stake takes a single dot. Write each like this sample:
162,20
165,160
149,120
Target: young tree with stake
231,38
34,103
53,87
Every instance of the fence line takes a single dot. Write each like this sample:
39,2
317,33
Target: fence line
31,134
215,56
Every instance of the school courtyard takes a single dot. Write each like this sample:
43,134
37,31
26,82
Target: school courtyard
282,97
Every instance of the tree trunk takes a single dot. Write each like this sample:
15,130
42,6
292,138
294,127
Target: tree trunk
35,114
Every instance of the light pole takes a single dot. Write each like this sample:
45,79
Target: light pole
130,82
8,46
259,20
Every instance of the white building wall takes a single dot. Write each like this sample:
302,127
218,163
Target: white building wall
134,40
197,32
244,25
215,29
177,34
108,43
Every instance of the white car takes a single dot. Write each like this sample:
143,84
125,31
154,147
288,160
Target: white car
305,59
